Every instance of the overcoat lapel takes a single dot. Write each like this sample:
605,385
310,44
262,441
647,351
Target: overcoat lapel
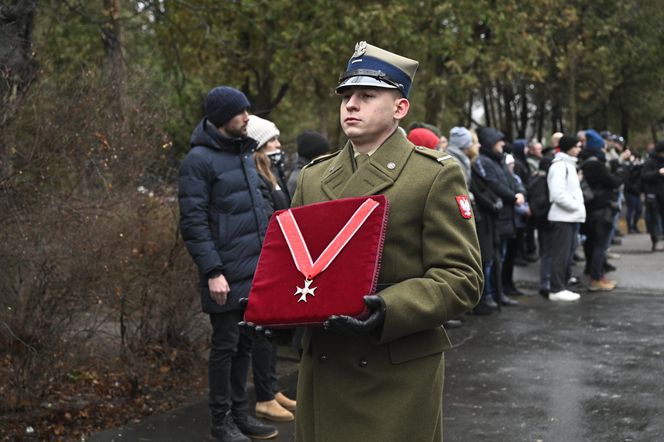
338,174
376,175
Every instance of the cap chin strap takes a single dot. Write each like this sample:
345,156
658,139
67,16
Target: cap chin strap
377,74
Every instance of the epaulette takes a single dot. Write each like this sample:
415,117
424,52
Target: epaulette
322,158
435,155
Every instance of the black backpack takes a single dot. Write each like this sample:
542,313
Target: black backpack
538,195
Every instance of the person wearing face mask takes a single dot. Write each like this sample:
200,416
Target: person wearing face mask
271,403
270,159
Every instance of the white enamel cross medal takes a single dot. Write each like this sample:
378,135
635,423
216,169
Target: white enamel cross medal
300,251
305,291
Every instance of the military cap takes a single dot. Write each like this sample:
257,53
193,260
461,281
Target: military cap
376,67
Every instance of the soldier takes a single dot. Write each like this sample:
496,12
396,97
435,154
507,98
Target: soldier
381,378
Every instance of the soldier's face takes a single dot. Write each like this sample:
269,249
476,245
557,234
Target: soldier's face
367,113
236,127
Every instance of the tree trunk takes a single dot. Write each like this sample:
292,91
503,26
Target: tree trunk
469,115
18,69
624,122
572,98
508,101
115,71
487,108
541,107
523,115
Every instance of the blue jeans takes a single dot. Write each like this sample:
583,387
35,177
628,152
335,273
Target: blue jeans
489,291
634,209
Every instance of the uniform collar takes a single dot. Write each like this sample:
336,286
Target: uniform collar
379,173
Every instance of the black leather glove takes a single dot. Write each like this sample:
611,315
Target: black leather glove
251,329
353,326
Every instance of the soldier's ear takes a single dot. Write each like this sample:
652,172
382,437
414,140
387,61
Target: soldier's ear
402,105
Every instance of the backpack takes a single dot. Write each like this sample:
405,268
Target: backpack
538,195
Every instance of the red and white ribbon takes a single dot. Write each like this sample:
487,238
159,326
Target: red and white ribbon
298,247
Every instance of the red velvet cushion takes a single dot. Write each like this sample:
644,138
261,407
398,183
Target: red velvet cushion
340,288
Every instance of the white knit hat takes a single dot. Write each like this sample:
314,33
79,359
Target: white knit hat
261,130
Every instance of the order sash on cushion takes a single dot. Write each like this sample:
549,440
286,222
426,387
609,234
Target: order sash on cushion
279,295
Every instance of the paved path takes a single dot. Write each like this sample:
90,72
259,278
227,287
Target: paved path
587,371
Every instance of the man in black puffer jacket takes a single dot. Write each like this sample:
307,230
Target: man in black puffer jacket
223,222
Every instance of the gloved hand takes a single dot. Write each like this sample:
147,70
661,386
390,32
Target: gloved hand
498,205
251,329
353,326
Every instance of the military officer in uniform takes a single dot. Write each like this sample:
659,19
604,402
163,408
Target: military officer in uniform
381,378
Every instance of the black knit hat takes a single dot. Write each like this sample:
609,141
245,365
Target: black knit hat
223,103
567,142
311,144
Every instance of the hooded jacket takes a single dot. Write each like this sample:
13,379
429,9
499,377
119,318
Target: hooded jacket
492,168
565,191
222,212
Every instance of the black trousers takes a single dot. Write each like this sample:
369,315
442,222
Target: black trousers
654,217
230,357
264,363
562,245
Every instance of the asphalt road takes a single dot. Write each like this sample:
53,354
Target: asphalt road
586,371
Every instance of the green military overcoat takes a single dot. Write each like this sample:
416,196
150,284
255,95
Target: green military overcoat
389,386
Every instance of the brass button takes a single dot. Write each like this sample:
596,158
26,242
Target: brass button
322,358
363,363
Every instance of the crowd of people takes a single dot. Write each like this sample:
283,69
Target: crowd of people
548,203
528,201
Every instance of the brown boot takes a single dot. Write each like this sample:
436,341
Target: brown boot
603,284
286,402
273,411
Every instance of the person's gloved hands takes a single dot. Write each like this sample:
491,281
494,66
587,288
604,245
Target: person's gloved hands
251,329
353,326
498,205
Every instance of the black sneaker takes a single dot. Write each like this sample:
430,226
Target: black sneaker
252,427
228,431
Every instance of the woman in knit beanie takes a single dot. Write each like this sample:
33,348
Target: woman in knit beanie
270,402
266,134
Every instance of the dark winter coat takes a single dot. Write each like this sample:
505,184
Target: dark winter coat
222,213
602,182
633,183
494,171
653,181
295,172
275,198
487,206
